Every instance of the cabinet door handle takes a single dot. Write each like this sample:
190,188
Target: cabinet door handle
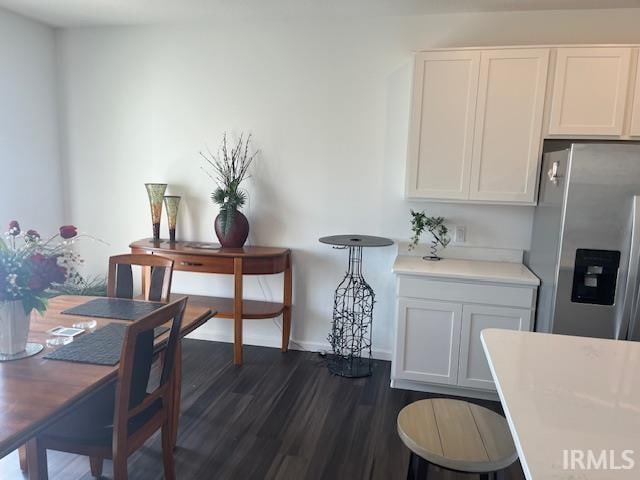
190,264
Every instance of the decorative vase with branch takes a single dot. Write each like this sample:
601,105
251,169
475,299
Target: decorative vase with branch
435,226
229,167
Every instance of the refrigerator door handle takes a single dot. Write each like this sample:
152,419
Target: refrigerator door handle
553,173
628,327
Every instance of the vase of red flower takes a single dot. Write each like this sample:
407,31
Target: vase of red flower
14,327
29,267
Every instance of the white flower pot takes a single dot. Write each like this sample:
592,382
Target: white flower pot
14,327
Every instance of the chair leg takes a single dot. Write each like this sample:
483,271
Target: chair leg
418,468
120,467
36,460
174,407
22,457
167,451
96,466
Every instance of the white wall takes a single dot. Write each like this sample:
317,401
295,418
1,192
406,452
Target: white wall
30,179
328,104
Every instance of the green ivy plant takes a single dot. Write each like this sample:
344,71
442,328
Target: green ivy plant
420,223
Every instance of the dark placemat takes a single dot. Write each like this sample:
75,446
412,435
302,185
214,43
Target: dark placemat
120,308
102,347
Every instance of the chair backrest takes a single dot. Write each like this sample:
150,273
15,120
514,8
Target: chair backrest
135,367
158,272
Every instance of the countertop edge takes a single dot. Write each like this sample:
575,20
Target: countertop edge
505,407
470,277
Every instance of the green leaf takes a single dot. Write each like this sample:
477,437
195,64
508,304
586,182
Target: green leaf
32,302
3,245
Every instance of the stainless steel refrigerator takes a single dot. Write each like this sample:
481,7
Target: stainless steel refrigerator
585,245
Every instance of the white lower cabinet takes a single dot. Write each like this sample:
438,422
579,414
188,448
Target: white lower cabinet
473,369
437,344
428,330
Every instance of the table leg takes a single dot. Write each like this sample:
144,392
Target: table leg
350,336
237,311
36,461
177,391
286,313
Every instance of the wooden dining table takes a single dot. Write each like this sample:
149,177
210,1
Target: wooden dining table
36,392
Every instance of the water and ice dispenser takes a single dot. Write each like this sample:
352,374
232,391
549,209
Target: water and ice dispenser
594,276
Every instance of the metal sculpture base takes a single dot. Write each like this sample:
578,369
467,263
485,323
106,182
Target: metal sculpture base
351,367
31,350
350,336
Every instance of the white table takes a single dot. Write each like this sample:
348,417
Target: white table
563,393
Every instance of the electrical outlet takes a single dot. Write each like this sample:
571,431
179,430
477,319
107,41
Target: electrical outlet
460,234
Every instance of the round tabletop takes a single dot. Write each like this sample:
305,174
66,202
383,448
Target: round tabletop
457,435
354,240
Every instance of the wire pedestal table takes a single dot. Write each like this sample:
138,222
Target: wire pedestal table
350,336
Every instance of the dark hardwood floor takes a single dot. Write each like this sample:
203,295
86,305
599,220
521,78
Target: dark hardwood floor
280,416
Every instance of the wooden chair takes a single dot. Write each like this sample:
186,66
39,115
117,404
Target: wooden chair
158,273
135,414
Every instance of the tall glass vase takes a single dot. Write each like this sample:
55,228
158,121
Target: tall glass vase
156,194
14,327
171,203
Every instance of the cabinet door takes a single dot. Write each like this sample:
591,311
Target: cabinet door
590,91
508,133
441,133
634,129
473,370
427,341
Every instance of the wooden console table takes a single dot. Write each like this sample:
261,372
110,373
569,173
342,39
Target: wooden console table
211,258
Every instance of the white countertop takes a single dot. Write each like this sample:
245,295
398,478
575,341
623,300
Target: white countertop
501,272
561,392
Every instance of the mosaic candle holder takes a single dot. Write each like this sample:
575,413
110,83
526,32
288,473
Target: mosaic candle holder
171,203
156,194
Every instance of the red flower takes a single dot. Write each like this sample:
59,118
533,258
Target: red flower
44,272
14,228
32,235
68,231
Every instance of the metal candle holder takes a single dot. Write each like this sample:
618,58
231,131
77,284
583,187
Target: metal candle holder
171,204
155,191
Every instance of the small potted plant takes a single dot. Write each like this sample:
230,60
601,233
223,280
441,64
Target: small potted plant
29,267
435,226
229,168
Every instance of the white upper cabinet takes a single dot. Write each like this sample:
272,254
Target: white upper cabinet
590,91
508,131
479,116
476,125
634,128
445,90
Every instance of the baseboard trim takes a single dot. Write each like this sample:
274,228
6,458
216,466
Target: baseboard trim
273,342
445,389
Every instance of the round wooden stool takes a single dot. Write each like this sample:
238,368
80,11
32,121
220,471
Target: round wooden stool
455,435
